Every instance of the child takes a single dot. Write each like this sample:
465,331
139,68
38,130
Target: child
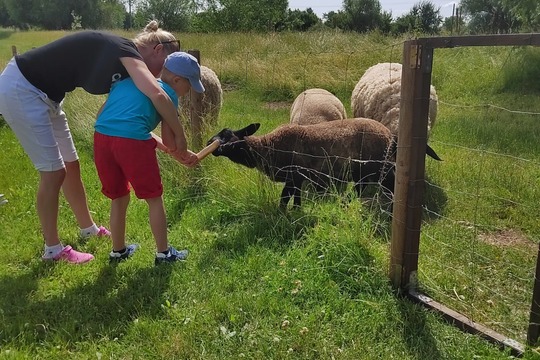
124,152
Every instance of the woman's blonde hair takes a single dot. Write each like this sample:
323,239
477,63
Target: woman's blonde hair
152,35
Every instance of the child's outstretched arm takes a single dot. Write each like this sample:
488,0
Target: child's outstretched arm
169,140
160,144
167,135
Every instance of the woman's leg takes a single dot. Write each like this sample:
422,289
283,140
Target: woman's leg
47,204
75,194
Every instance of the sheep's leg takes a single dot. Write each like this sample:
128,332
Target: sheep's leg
388,182
359,187
286,194
297,195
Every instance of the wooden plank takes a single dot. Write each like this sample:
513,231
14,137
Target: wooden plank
466,324
532,39
534,319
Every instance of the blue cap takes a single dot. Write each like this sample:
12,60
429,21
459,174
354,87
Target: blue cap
183,64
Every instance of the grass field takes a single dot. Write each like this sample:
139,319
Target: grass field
305,284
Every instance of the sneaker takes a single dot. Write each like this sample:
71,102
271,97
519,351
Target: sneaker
102,231
121,256
171,256
71,256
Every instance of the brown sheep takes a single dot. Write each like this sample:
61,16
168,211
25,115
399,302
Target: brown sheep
358,150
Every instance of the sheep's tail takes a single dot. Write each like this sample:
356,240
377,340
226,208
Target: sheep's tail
429,150
432,153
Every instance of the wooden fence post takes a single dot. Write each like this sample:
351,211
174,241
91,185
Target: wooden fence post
13,50
534,319
410,163
195,105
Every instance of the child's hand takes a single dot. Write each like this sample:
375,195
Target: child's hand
186,157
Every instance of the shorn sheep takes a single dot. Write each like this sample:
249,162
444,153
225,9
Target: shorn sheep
212,98
359,150
377,96
316,105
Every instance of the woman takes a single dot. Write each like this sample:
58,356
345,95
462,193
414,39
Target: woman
32,88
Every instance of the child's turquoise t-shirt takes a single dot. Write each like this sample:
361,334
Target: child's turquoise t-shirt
128,113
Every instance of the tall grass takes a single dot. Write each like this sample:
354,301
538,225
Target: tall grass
261,283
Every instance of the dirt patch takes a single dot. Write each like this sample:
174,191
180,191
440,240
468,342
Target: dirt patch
277,105
229,86
507,237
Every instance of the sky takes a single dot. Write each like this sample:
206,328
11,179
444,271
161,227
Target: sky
397,7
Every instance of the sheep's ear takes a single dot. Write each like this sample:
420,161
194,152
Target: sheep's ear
248,130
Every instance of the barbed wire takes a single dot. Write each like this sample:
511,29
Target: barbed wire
490,106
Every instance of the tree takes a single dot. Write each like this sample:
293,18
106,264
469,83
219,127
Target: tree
363,15
60,14
423,18
526,12
299,20
336,20
21,12
173,15
490,16
130,6
242,15
5,20
111,14
454,24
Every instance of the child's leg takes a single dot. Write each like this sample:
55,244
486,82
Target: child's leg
118,222
158,222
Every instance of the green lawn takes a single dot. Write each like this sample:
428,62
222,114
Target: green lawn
303,284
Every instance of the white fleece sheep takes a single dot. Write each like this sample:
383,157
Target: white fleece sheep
377,96
314,106
212,98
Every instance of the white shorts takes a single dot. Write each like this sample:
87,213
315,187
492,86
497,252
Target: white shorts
38,122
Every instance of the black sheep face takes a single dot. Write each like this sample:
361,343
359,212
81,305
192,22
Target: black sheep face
233,146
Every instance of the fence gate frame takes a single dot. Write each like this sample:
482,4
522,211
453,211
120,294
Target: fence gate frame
417,65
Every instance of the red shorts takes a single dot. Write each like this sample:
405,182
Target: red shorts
121,162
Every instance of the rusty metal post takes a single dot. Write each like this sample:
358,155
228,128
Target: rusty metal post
410,163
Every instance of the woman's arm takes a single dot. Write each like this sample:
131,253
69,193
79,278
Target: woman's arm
148,85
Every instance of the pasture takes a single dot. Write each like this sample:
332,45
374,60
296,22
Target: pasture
309,283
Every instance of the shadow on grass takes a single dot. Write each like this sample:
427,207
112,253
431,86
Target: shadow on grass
416,332
435,200
6,33
102,308
271,228
192,195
